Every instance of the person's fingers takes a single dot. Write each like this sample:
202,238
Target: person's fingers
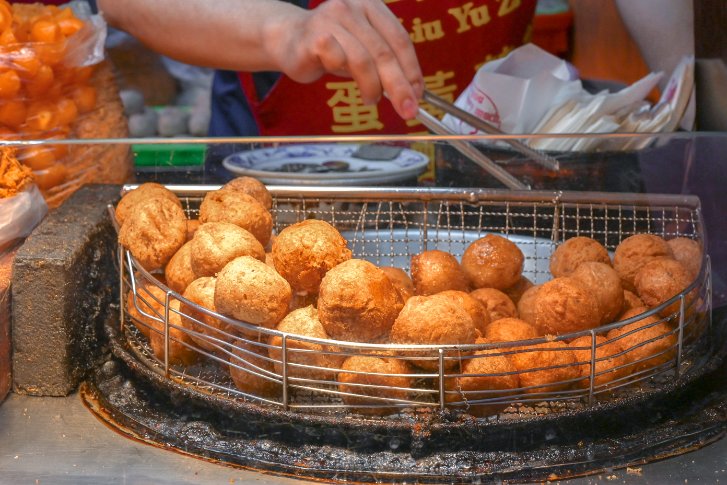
384,67
392,54
362,66
397,37
361,39
331,54
337,51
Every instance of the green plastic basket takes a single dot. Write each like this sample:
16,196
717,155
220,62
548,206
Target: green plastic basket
169,156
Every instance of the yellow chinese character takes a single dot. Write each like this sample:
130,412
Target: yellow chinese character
425,31
469,16
507,7
437,83
350,115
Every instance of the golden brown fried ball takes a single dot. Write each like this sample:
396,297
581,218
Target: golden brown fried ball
400,280
644,355
436,271
192,226
239,209
604,283
178,272
634,252
153,231
493,262
688,252
302,301
149,190
609,366
215,332
159,278
516,291
510,330
543,356
149,299
217,243
574,251
181,345
631,300
304,252
371,381
271,241
251,291
477,311
526,305
357,302
304,322
500,380
433,320
563,306
659,280
251,370
497,303
252,187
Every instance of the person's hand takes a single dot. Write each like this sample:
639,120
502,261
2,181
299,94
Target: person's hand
360,39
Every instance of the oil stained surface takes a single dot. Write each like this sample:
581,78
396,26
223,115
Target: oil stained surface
433,451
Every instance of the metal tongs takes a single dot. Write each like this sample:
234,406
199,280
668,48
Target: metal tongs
468,150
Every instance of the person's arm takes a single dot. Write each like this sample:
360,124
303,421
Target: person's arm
357,38
662,29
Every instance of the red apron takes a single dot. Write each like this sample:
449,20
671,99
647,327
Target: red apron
452,39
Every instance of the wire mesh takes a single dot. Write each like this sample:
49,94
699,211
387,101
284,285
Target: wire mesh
235,360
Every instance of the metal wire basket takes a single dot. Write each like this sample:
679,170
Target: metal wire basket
387,227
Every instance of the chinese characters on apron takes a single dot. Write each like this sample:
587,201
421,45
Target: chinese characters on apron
452,38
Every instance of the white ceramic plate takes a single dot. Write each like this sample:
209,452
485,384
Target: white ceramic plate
323,164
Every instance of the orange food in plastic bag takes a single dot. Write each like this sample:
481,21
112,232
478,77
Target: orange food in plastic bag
13,113
14,177
51,176
41,95
26,62
6,16
9,84
37,157
85,98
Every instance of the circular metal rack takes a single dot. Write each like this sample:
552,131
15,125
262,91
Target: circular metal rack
387,227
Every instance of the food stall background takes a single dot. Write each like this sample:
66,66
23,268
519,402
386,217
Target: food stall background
674,164
698,158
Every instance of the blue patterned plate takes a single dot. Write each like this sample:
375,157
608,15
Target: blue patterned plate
324,164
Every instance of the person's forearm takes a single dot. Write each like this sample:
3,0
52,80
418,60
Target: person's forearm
223,34
361,39
662,29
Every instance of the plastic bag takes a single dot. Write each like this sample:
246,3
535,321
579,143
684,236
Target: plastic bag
513,93
86,47
22,207
20,214
54,86
532,91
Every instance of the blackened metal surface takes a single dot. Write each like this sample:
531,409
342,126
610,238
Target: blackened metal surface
433,449
63,285
423,432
